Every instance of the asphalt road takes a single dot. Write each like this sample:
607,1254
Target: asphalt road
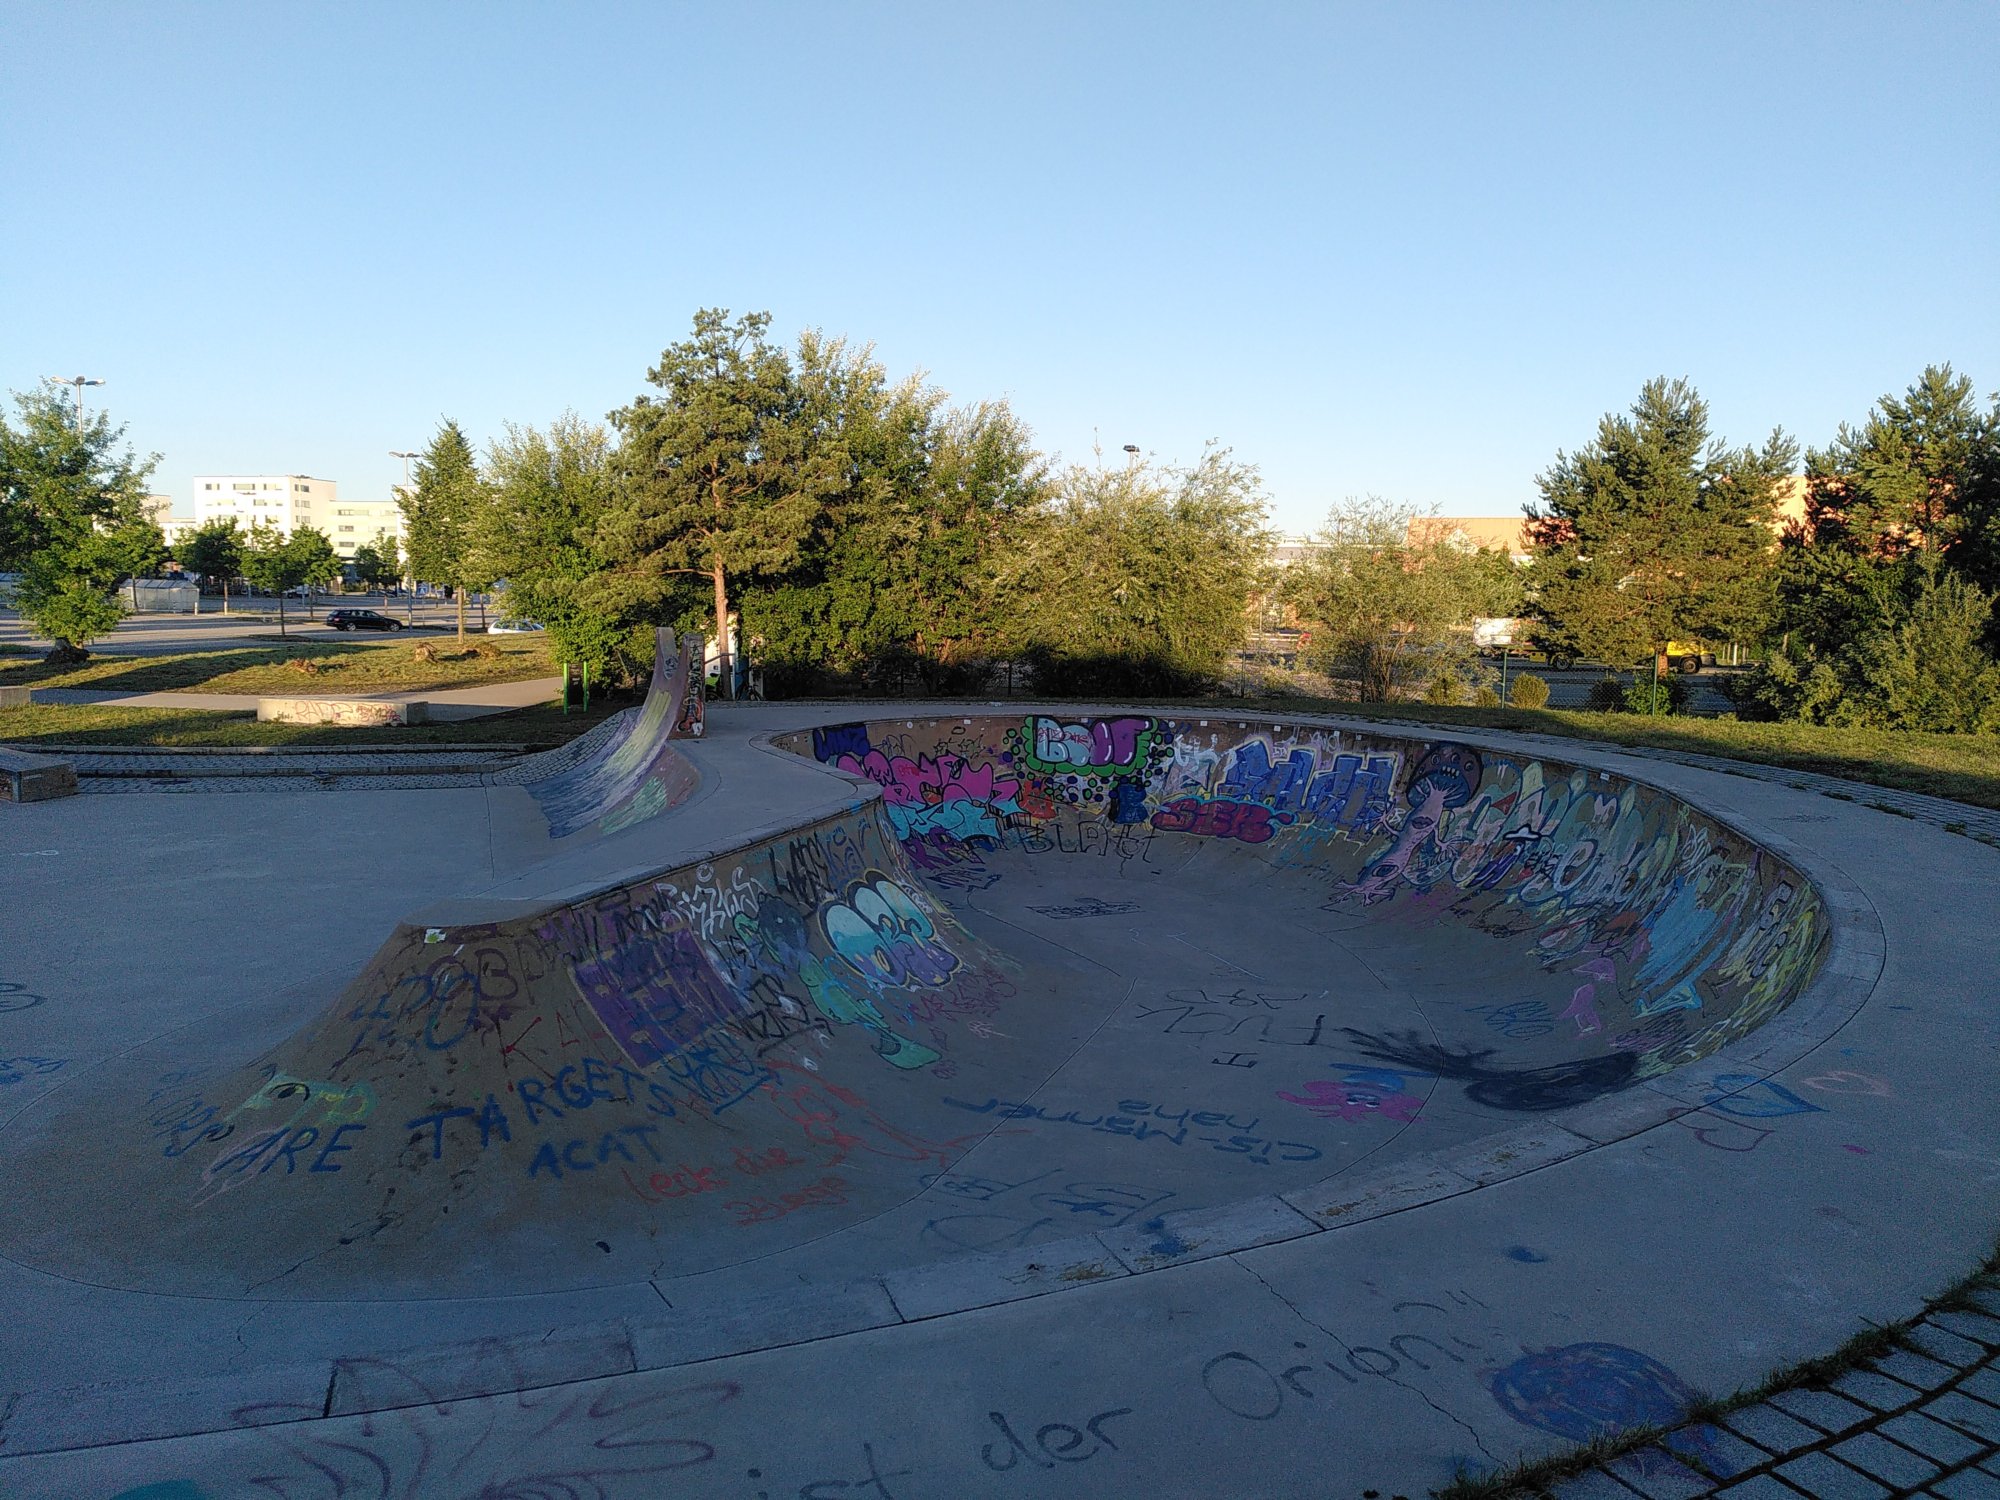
250,622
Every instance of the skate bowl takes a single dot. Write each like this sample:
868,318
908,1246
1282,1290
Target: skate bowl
1021,978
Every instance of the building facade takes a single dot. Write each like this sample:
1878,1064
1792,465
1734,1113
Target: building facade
288,502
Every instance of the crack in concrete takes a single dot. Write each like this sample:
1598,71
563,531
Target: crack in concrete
1402,1385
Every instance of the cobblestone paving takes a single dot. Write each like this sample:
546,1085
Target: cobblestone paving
1923,1420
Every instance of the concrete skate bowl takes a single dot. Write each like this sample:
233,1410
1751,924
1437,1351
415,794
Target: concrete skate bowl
1058,977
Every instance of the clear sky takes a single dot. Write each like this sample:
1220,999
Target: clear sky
1404,250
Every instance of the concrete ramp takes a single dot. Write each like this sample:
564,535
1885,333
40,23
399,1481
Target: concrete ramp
1058,975
627,771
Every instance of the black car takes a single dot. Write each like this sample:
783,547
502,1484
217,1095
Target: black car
360,619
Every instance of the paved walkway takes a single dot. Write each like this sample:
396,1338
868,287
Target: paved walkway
1922,1420
446,703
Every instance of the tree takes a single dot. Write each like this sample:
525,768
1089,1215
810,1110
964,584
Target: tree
551,492
1913,476
721,473
442,514
71,520
1137,578
901,569
1390,595
1654,532
276,562
371,569
214,551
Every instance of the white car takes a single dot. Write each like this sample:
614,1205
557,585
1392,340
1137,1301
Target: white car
513,627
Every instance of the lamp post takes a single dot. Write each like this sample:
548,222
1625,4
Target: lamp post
409,604
1131,454
79,381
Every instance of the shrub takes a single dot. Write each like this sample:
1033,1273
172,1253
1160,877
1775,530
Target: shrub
1442,689
1607,695
1670,696
1529,691
1485,697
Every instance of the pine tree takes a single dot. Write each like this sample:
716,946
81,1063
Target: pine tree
1656,532
441,515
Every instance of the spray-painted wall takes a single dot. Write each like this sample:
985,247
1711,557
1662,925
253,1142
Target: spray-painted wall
1665,935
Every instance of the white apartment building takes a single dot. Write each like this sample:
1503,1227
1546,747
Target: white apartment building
290,501
353,524
285,501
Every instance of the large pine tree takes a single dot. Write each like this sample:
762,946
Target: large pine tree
1655,532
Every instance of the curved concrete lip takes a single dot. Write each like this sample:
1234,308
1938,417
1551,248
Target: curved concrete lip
1410,1191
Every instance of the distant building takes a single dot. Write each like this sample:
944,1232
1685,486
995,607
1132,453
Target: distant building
1511,532
283,501
291,501
159,510
355,524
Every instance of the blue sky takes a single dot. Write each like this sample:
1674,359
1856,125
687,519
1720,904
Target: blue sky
1399,250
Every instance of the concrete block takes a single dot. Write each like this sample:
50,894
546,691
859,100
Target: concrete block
1824,1409
795,1317
19,696
1827,1478
1932,1439
969,1281
1771,1429
1967,1415
1658,1475
478,1367
94,1415
34,778
359,712
1201,1233
1977,1326
1895,1466
1878,1391
1940,1344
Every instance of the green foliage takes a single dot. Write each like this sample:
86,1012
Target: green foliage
1653,532
728,472
1136,579
1670,695
1528,691
1918,474
441,515
276,562
1390,596
375,566
1607,695
71,520
1485,696
543,534
215,551
1442,689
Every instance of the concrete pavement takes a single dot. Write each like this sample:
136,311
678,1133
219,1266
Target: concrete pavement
1470,1284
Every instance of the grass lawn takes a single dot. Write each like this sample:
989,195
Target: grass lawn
43,724
342,667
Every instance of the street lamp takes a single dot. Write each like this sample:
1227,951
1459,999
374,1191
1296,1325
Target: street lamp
79,381
411,603
1131,453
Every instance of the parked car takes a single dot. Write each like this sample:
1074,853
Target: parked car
514,627
360,619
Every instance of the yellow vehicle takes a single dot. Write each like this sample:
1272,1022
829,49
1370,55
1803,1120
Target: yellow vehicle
1688,656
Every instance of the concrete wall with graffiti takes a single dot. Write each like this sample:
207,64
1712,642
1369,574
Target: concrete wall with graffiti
1662,934
692,1070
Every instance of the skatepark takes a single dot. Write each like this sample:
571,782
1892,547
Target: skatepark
968,1100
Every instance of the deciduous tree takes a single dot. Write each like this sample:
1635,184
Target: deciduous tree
214,551
1390,595
71,520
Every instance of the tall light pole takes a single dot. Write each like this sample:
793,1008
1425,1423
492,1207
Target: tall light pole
410,604
79,381
1131,454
